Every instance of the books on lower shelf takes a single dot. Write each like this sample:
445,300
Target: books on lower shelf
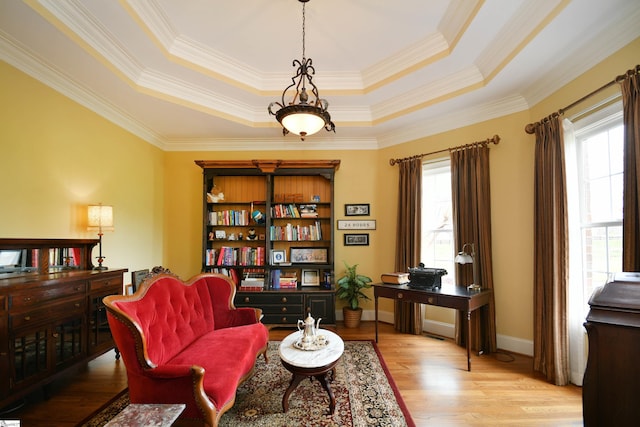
253,280
284,280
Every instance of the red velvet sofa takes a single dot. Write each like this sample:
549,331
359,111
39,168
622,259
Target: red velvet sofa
185,342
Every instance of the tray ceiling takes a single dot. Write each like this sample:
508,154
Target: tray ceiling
199,74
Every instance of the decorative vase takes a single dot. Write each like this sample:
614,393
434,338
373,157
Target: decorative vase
351,317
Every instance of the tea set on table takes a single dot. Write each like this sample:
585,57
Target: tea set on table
310,339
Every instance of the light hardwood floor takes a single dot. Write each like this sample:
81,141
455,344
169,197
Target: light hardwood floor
430,373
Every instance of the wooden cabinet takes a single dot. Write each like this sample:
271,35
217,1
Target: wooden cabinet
286,307
267,221
611,383
51,316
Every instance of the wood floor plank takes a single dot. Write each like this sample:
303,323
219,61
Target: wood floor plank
431,374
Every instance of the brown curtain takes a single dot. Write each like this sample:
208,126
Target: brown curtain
471,203
408,316
551,338
631,203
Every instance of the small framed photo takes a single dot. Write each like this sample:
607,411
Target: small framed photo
221,234
361,209
128,289
310,278
278,256
310,255
356,239
137,277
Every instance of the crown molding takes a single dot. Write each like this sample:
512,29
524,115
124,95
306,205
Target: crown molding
317,143
457,19
601,45
454,120
529,20
416,97
19,57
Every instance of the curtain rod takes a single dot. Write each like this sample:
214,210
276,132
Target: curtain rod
495,139
531,127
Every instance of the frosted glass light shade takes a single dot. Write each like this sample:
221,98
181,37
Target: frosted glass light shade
463,258
303,123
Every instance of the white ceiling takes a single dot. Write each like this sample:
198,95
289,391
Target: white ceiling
199,74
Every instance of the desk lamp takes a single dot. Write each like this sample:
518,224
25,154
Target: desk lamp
465,257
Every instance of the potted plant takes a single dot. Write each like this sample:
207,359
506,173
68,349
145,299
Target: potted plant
349,289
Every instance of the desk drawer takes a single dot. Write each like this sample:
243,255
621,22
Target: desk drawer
412,296
111,282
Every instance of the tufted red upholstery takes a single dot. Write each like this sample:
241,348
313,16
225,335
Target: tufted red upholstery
168,326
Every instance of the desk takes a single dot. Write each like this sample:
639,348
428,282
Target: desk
449,296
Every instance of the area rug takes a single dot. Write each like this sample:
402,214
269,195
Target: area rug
365,395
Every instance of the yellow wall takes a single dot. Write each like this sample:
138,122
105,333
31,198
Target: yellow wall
56,157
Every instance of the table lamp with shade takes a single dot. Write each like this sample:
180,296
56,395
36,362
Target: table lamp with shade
465,257
100,219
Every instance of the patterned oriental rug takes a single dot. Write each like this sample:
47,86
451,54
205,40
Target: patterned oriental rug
365,395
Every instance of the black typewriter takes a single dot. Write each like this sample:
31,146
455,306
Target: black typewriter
426,278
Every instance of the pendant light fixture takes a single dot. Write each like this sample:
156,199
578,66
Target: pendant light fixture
301,116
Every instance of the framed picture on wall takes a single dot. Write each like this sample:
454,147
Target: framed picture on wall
361,209
356,239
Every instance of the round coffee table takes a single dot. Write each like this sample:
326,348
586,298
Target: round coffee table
311,363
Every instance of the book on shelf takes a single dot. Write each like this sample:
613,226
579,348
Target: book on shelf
288,280
275,279
253,280
309,211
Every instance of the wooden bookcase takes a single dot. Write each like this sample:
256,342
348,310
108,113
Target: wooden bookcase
287,206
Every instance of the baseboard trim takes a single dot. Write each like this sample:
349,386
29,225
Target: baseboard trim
447,330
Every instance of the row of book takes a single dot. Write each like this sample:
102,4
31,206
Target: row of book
226,255
253,279
298,232
292,211
229,217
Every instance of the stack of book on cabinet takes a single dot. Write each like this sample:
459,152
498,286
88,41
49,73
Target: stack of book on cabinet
253,280
284,280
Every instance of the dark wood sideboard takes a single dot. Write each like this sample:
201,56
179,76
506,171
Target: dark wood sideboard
611,385
51,314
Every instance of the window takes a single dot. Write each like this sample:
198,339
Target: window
594,156
437,246
599,165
